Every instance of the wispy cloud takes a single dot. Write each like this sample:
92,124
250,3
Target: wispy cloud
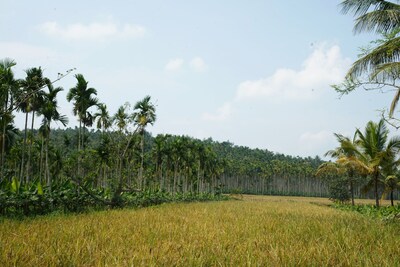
222,113
92,32
174,64
198,64
311,141
324,66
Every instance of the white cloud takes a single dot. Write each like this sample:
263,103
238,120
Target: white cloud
17,51
222,113
318,137
174,64
198,64
312,141
323,67
93,31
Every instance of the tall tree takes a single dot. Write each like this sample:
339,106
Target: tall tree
348,157
375,149
144,115
30,101
102,117
8,87
50,113
83,99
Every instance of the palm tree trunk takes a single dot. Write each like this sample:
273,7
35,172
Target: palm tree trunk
141,162
3,145
391,198
28,165
376,189
21,173
352,192
47,164
41,160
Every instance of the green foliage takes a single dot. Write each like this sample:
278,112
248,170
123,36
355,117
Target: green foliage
34,199
338,190
386,213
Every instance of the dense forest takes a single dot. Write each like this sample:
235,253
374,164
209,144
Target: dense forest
109,159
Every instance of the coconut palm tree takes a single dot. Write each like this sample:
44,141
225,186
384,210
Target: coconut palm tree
144,115
50,113
83,99
375,150
380,64
348,160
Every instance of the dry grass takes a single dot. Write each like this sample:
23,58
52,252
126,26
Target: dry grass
258,231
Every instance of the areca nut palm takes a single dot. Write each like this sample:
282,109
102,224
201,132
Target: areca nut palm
102,117
8,88
83,98
145,114
30,100
50,113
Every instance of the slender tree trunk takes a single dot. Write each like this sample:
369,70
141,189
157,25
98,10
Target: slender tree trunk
28,165
391,198
376,192
141,179
79,148
3,145
21,173
352,192
49,181
41,161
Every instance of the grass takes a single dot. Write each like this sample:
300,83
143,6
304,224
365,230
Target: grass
258,231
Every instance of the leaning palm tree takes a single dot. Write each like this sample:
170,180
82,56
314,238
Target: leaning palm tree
381,64
376,149
83,100
50,113
144,115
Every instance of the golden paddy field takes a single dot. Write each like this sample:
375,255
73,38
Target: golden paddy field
254,231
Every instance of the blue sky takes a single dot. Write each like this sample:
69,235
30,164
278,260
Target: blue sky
256,73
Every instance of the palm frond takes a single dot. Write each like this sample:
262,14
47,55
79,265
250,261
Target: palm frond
379,21
388,52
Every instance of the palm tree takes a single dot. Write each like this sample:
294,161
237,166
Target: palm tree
348,159
392,183
8,88
30,101
50,113
145,114
380,64
121,118
83,100
103,118
376,149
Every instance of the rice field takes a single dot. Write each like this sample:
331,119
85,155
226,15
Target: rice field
255,231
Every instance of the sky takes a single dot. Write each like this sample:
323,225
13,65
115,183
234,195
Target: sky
255,73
